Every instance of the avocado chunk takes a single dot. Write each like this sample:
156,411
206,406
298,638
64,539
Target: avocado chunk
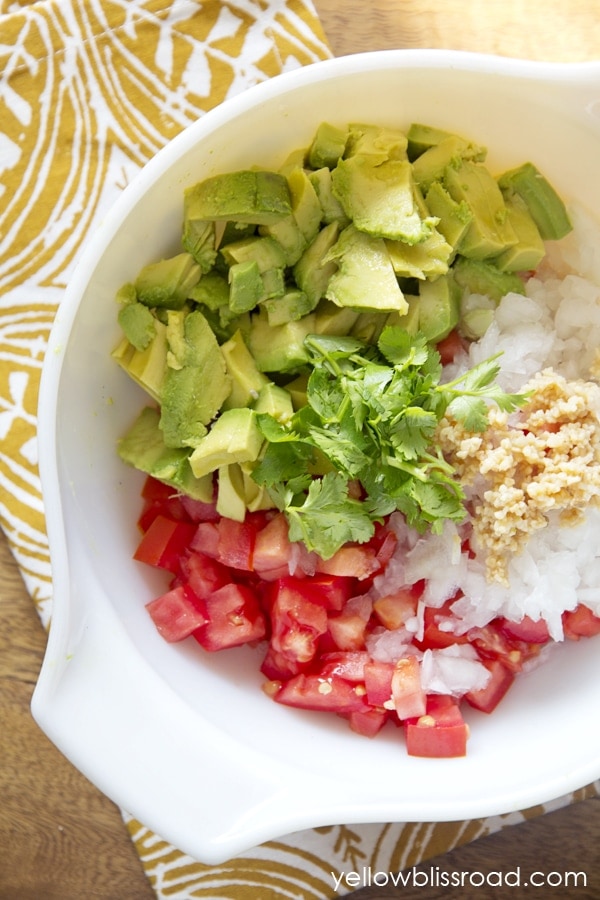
211,291
333,319
331,208
292,305
431,165
490,231
196,382
143,447
428,259
547,209
279,348
256,197
246,286
378,142
313,270
146,367
327,146
167,283
480,276
453,218
380,198
365,278
368,326
198,238
233,437
138,324
246,381
276,401
266,252
421,137
231,492
529,250
438,307
305,204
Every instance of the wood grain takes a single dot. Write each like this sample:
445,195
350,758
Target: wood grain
60,838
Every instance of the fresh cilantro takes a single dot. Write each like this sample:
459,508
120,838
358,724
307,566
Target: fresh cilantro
370,419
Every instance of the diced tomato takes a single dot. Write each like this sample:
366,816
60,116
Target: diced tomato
296,622
580,622
368,722
278,667
177,613
408,695
233,618
206,539
272,549
351,561
378,682
348,628
198,511
441,732
330,591
492,643
529,630
435,636
164,543
204,574
236,543
332,694
449,347
160,499
487,698
395,609
349,666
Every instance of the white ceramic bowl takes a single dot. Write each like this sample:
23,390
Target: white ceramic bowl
188,742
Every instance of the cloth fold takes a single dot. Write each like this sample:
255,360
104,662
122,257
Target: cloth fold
90,90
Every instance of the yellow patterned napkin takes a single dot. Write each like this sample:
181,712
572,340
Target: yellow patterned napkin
89,91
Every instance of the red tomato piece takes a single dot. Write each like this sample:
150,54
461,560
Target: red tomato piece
177,613
330,591
440,733
206,539
233,618
347,630
296,622
435,636
351,561
580,622
449,347
378,682
395,609
349,666
204,574
331,694
492,643
529,630
164,543
487,698
368,722
408,695
272,549
278,667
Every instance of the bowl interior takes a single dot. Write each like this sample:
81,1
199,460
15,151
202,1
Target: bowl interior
535,747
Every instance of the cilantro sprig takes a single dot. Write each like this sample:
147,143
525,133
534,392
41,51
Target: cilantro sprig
363,446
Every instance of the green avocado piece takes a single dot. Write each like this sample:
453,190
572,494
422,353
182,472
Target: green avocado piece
292,305
365,278
167,283
331,208
198,238
138,324
279,348
246,380
368,326
146,367
144,448
276,401
438,307
266,252
233,437
313,271
306,208
409,320
211,291
529,251
545,206
453,218
421,137
490,231
480,276
252,196
231,492
431,165
246,286
333,319
196,382
380,198
378,142
327,146
428,259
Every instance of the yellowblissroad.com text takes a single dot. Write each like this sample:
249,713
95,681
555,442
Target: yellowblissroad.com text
434,877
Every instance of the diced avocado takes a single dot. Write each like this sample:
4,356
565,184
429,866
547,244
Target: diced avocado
476,315
530,249
331,208
143,447
453,218
409,320
431,165
378,142
327,146
305,204
480,276
490,231
138,324
275,400
368,326
288,235
298,390
266,252
167,283
257,496
365,278
544,204
246,286
211,291
252,196
333,319
428,259
380,198
192,394
313,271
246,380
289,307
279,348
146,367
199,240
273,284
438,307
292,161
231,493
421,137
233,437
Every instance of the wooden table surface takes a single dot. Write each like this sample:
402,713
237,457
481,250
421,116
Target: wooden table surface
60,839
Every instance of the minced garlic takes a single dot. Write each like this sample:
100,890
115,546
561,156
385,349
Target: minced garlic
547,457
